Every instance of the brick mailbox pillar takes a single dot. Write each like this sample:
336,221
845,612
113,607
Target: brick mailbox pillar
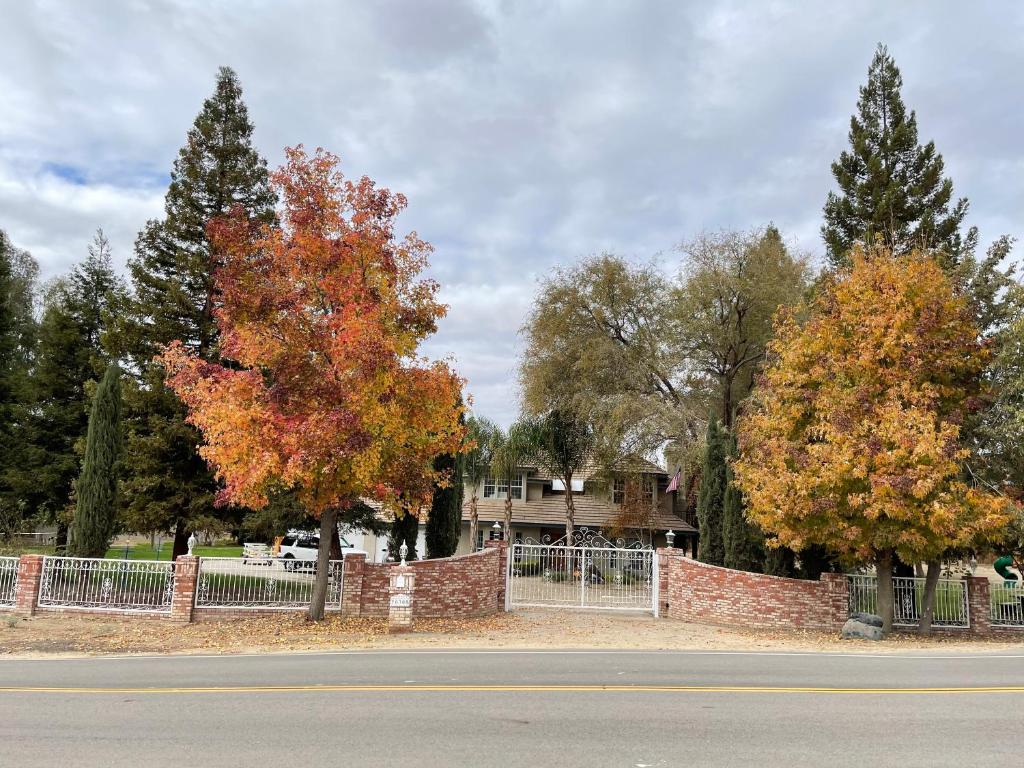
978,603
186,573
30,573
402,585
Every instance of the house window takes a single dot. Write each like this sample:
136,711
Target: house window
618,490
479,538
495,488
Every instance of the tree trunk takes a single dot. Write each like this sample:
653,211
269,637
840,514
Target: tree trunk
507,533
474,522
931,581
328,520
335,543
570,512
181,533
885,596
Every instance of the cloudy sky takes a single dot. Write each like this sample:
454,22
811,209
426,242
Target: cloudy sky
525,134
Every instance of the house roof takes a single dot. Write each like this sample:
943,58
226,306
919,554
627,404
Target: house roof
592,469
591,511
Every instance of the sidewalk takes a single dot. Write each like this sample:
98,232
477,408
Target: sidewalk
89,635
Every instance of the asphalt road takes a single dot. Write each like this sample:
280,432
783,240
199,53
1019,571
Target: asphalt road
523,708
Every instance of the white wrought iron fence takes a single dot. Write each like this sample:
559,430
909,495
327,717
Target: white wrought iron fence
8,580
589,572
1007,604
233,582
951,608
94,583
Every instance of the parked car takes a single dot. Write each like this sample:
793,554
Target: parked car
299,550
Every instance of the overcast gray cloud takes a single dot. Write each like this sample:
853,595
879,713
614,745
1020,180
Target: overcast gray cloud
525,134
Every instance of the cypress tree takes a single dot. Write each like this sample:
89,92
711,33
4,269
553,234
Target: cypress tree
711,499
445,520
742,541
890,186
96,509
403,529
167,485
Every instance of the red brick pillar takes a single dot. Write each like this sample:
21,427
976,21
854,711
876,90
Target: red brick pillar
979,605
402,587
352,584
502,546
186,573
837,592
30,571
663,554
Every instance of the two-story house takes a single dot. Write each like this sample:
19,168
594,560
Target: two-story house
538,506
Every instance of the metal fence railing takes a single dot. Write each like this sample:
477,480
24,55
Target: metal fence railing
951,609
582,577
98,584
233,582
1007,604
8,580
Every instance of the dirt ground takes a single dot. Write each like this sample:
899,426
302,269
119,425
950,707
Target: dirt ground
94,635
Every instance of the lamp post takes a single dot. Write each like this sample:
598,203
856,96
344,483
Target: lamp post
497,530
670,539
403,551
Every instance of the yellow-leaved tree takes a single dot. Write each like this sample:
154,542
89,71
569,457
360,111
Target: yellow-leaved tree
853,441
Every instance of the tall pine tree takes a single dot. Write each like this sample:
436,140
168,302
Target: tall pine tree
167,485
890,186
76,311
18,332
96,509
742,541
710,501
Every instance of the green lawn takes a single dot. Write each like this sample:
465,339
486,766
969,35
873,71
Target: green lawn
135,552
146,552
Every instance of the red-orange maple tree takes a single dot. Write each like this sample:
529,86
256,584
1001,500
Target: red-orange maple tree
320,319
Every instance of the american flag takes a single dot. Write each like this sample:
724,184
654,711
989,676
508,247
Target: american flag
674,485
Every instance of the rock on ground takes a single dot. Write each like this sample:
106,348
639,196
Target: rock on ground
861,630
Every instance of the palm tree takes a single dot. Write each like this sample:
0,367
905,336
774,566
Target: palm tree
510,451
480,434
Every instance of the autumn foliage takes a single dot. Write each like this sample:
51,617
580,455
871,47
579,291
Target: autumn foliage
853,442
320,319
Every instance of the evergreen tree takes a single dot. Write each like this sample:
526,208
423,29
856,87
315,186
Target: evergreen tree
741,540
18,330
780,561
96,509
404,528
445,520
890,186
712,496
69,355
167,485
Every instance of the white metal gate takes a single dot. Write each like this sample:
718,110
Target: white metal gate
588,572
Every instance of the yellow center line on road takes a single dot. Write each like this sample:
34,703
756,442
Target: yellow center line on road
510,689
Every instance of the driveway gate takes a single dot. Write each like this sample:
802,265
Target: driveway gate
587,572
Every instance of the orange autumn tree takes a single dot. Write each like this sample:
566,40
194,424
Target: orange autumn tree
321,318
853,439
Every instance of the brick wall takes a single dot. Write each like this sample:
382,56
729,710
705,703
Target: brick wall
450,587
694,591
